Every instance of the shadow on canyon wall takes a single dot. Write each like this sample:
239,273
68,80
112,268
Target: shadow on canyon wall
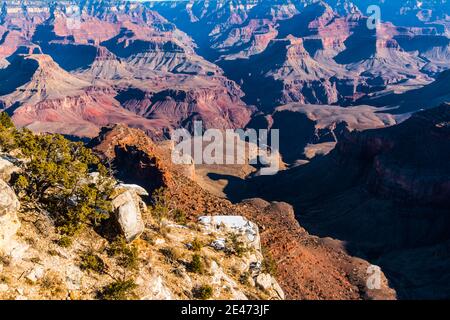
385,192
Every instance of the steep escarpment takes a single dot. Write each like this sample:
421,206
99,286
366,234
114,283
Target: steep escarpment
382,191
307,131
309,267
419,145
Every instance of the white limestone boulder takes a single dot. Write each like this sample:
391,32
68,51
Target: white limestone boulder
7,168
9,222
134,188
154,289
236,224
127,206
267,283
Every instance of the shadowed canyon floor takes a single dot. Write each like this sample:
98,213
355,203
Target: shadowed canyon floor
385,192
362,113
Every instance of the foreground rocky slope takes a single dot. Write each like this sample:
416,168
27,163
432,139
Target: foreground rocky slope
36,266
140,252
295,253
181,243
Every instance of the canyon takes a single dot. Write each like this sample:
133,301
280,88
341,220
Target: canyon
361,107
385,192
139,70
317,52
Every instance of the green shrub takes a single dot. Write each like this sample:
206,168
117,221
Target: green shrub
118,290
268,264
56,177
197,245
170,254
7,133
203,292
127,255
237,247
65,242
244,278
179,216
160,208
148,237
130,258
5,120
92,262
196,265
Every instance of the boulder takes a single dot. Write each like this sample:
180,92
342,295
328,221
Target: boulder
235,224
8,200
9,222
267,283
134,188
7,168
155,289
221,281
277,288
264,281
219,244
127,206
35,274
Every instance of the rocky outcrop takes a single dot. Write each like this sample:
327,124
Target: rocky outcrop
135,156
248,233
384,190
129,206
233,233
7,168
234,224
9,222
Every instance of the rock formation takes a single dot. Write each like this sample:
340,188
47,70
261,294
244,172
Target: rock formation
296,253
310,130
9,222
381,191
316,52
128,206
70,79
